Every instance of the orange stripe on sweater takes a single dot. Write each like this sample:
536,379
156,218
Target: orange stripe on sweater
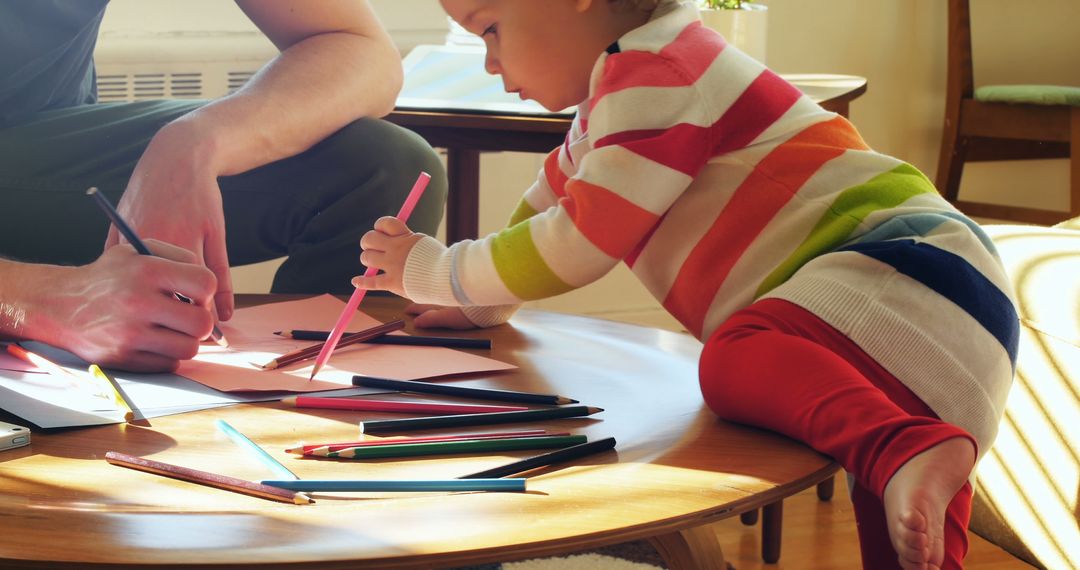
556,179
771,185
612,223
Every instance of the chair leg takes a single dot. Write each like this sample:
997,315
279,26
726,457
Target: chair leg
772,519
1074,162
951,160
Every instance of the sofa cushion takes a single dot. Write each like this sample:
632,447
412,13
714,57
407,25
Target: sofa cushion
1027,485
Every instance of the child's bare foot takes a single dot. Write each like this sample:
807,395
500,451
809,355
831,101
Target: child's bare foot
916,499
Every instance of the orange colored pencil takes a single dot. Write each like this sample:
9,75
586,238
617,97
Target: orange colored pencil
313,350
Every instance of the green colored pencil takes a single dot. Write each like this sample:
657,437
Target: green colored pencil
467,446
477,419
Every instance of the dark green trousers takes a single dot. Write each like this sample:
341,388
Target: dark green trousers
312,207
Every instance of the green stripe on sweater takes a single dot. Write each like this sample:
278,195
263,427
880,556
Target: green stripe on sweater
851,207
521,267
522,212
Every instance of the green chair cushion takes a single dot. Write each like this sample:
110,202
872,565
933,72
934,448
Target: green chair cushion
1029,94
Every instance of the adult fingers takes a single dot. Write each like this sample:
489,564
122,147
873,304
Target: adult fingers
217,259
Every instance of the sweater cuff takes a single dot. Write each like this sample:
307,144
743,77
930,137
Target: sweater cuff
489,316
427,274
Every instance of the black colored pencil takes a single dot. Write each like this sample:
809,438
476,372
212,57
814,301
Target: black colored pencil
477,419
463,391
544,459
133,238
397,339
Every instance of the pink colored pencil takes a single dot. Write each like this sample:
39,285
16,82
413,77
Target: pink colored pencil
324,451
358,294
301,449
365,405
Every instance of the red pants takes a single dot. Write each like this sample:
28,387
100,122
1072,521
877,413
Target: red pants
777,366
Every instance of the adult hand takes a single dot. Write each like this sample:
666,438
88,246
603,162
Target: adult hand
173,196
120,311
386,248
439,317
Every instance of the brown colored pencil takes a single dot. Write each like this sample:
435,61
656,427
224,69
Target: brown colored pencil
209,479
313,350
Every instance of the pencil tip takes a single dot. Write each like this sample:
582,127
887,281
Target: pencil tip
595,410
91,191
291,400
565,400
302,499
278,333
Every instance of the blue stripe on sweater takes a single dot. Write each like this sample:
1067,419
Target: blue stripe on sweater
921,224
952,277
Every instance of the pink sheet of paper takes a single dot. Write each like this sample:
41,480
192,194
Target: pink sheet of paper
252,342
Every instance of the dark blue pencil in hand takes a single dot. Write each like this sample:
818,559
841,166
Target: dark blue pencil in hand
129,234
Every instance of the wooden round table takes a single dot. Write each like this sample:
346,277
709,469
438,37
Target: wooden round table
675,469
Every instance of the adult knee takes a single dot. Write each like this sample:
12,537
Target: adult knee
399,155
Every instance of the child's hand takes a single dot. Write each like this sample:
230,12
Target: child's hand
386,248
438,317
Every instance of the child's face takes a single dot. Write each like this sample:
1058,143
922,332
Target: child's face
543,49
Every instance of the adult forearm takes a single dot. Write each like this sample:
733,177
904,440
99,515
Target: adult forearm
23,298
312,89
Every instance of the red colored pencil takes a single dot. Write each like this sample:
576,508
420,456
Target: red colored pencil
303,449
364,405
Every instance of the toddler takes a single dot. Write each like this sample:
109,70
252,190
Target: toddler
841,301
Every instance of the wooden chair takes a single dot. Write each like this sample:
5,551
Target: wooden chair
1003,122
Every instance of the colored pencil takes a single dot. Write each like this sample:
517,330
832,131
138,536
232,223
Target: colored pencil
476,419
306,448
133,238
557,456
119,396
358,294
365,405
463,391
311,351
225,482
450,447
259,453
398,485
325,451
397,339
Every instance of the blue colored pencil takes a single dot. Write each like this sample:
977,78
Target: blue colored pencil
259,453
414,486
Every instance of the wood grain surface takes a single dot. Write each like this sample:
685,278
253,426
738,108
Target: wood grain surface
676,467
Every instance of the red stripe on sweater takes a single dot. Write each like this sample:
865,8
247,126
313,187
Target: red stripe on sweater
764,101
771,185
681,147
694,49
612,223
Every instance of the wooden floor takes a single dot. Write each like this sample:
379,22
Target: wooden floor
820,535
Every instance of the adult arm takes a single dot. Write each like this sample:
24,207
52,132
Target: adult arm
337,64
118,311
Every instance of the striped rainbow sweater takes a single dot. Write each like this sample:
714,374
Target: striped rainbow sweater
719,183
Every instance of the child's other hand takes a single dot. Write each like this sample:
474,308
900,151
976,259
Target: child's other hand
386,248
439,317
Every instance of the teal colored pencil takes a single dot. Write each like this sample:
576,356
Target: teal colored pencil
259,453
465,446
407,486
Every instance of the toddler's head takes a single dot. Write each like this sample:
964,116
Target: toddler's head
545,49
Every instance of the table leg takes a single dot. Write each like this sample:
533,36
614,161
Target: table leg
772,523
463,199
825,489
694,548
